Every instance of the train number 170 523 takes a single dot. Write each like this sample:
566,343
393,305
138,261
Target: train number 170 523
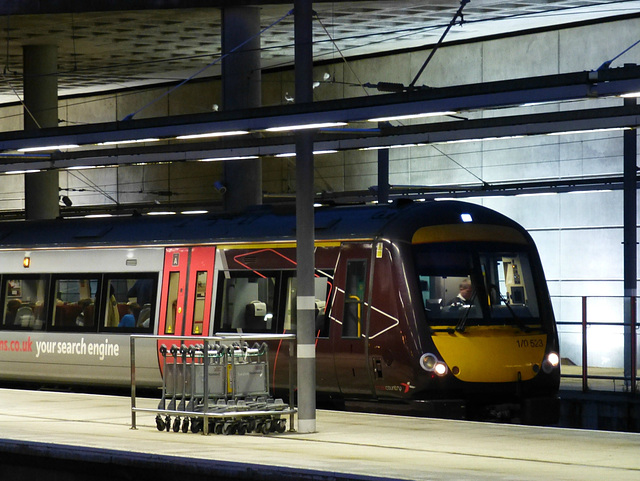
524,343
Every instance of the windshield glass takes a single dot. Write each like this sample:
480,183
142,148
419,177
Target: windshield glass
464,287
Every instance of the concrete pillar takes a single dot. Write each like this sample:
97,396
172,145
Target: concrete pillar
305,225
241,89
40,73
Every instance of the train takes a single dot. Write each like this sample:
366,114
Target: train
434,307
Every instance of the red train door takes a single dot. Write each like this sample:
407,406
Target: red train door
187,285
349,314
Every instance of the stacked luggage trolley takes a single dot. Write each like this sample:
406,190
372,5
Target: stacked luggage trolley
218,384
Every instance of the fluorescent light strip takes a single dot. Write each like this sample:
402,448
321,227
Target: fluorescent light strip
132,141
49,147
315,152
306,126
33,171
238,157
212,135
413,116
590,131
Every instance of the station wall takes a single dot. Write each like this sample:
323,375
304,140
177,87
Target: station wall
579,234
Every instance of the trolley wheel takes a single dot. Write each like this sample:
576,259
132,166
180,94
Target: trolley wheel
251,425
281,425
242,429
167,422
176,425
160,423
185,425
196,426
218,428
229,428
266,427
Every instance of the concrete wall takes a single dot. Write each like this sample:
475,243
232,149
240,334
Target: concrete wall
579,234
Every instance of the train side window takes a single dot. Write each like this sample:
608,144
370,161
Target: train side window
247,303
24,300
74,307
354,298
323,284
130,301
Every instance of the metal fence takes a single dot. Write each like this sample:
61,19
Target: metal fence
598,342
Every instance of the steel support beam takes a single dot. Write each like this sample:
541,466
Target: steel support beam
554,88
306,348
630,249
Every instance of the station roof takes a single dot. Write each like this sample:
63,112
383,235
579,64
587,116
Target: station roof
105,46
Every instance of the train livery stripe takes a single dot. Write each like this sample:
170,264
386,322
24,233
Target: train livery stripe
467,232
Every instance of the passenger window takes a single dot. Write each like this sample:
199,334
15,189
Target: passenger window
247,303
24,302
130,302
74,304
354,298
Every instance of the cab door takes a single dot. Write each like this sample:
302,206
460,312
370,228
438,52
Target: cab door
349,314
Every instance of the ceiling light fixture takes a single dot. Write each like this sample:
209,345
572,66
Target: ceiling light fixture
49,147
306,126
131,141
413,116
237,157
212,135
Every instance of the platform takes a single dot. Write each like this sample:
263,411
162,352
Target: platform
48,433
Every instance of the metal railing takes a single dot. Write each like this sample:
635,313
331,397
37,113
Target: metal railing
597,359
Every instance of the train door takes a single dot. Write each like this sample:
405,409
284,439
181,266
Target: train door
348,330
187,280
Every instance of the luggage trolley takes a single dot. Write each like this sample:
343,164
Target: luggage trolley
220,386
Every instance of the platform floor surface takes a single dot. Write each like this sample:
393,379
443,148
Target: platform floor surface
356,444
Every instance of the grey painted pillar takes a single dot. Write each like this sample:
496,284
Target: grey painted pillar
40,62
241,89
383,176
630,239
306,356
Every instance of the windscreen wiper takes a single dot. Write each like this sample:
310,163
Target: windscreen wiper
462,323
519,322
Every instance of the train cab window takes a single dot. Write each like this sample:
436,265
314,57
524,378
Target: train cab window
247,302
24,302
352,321
323,283
460,287
74,307
130,302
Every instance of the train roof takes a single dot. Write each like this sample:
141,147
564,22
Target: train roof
398,220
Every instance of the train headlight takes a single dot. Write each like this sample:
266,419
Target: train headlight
430,363
551,362
441,369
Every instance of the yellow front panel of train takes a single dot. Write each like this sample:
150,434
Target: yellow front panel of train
491,354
